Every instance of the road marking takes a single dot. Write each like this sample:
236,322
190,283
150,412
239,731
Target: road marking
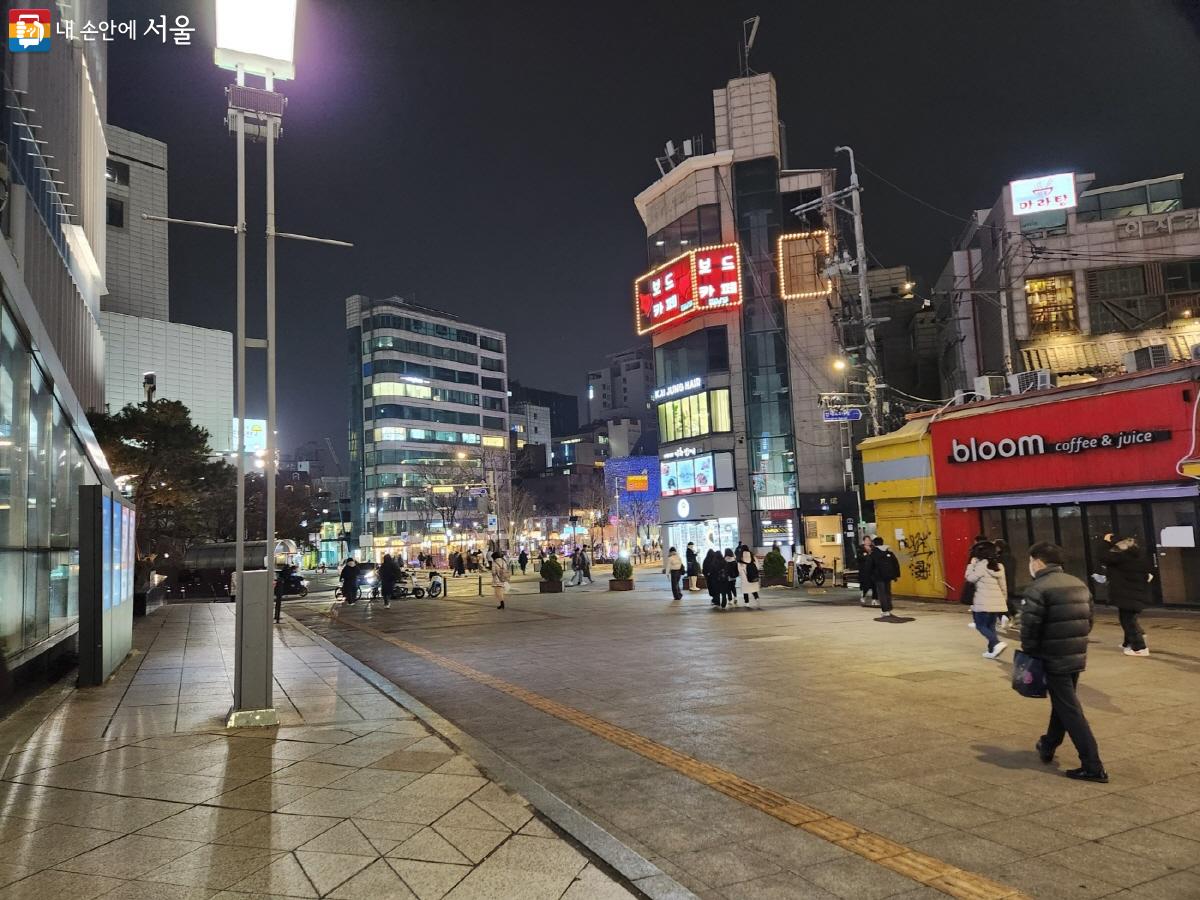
902,860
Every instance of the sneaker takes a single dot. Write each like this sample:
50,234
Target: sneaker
1084,775
1045,754
1129,651
971,624
1124,646
387,604
998,649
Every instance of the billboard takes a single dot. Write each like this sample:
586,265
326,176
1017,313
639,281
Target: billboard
256,435
635,484
1045,194
696,281
689,475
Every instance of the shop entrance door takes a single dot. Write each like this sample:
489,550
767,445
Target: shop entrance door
1175,551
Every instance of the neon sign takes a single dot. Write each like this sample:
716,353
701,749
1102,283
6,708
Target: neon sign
700,280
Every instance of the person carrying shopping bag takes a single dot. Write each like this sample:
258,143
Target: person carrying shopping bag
675,570
990,600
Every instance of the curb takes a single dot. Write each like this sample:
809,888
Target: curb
646,878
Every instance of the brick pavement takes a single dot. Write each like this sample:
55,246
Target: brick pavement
136,790
900,729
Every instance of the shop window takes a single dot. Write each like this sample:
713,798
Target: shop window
490,440
14,423
1117,300
1051,305
694,416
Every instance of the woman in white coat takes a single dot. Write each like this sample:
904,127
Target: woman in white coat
991,594
748,573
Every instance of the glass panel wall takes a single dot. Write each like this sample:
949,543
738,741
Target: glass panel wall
42,465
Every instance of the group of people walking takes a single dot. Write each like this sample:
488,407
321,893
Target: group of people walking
721,573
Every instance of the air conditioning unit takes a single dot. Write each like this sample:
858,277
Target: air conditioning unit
1024,382
988,386
1196,351
1153,357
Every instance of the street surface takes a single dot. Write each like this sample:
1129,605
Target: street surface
641,712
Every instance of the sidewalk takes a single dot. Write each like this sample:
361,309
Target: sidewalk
136,789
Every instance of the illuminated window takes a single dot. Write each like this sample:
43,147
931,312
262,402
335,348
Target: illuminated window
470,439
490,440
694,416
391,433
1051,304
400,389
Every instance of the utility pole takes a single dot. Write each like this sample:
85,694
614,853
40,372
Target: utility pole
864,296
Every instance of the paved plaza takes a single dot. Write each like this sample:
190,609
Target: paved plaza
136,790
805,750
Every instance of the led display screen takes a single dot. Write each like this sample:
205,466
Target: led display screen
692,475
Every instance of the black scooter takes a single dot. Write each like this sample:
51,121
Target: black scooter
291,585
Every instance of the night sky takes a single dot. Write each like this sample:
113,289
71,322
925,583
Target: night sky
483,157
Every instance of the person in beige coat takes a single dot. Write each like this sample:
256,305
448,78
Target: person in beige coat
991,594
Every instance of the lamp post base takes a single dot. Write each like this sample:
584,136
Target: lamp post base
252,718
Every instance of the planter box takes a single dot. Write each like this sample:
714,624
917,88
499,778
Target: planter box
773,581
620,584
549,587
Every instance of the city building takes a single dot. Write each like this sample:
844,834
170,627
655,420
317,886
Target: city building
52,272
739,312
429,428
190,364
1067,464
1063,277
564,408
622,389
530,427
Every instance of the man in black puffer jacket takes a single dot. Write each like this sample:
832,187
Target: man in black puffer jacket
1056,618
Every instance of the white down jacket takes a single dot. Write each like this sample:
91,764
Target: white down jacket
991,589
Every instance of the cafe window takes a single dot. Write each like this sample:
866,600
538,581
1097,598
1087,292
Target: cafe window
694,416
1051,304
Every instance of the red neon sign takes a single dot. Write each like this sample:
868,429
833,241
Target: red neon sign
700,280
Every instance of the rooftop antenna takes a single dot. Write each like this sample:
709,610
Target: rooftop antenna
749,33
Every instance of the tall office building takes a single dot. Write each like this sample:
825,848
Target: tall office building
622,389
190,364
737,307
52,263
428,420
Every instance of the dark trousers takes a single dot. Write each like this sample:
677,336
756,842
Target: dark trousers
675,591
985,624
1134,636
883,593
1066,717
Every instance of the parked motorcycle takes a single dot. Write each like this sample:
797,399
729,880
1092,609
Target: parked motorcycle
811,569
291,585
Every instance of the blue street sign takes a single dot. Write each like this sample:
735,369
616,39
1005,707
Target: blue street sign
841,415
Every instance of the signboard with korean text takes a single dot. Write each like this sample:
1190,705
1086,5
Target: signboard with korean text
637,483
687,475
697,281
1049,192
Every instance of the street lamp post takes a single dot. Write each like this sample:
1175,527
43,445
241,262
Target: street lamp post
256,39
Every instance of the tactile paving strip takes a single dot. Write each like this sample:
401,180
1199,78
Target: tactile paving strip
902,860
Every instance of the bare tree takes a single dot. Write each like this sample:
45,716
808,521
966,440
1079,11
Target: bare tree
642,512
445,489
521,508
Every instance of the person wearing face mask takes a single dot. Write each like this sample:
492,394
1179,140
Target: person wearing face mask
1056,618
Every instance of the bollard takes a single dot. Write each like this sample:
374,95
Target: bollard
480,585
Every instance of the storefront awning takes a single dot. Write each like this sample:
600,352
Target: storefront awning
1076,495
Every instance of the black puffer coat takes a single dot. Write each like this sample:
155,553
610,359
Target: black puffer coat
1127,585
1056,619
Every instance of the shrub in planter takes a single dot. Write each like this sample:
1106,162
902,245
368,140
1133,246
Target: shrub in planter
774,569
552,573
622,576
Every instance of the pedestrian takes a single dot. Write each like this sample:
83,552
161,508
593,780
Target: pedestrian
693,566
885,568
1012,600
1129,578
991,595
389,574
585,565
523,560
577,568
729,585
748,573
349,579
866,572
675,570
710,568
500,577
1056,618
460,564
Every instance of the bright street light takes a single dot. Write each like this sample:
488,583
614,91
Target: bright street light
258,35
839,364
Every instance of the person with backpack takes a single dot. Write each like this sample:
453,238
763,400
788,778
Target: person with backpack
729,585
675,569
866,573
990,600
748,572
885,568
